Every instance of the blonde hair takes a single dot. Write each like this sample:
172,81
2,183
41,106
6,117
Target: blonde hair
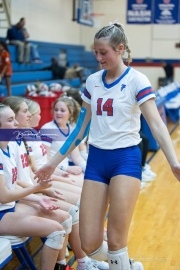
33,106
116,35
14,103
72,105
2,107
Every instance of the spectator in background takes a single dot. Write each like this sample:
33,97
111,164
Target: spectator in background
75,94
57,70
5,66
74,72
16,37
34,51
63,58
169,71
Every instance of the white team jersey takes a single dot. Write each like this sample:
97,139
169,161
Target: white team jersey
39,152
55,144
18,149
115,109
8,168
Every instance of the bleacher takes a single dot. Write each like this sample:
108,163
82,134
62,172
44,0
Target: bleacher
24,74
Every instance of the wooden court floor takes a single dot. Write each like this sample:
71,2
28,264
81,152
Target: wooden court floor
154,237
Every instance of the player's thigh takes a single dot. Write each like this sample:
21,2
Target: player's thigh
70,197
93,207
36,210
123,192
79,179
68,187
21,223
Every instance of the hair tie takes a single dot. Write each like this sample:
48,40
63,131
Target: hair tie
113,23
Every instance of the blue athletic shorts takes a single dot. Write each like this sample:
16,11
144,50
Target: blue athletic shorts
103,164
3,212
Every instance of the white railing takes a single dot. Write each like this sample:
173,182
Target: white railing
7,10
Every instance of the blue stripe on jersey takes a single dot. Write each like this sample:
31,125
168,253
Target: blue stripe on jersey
86,93
115,82
1,167
144,92
19,142
6,153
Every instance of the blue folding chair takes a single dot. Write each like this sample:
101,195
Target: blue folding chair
5,252
18,245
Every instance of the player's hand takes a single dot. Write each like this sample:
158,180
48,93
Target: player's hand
76,170
54,193
44,184
46,203
44,173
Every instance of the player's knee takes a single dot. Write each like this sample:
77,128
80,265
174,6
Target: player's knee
100,254
67,224
74,212
55,239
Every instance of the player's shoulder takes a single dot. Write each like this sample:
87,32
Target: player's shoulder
48,125
13,145
137,75
95,76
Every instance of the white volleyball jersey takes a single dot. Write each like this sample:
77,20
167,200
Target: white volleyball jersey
18,149
55,144
115,109
39,152
8,168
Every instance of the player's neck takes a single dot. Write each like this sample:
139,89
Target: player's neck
113,74
3,145
62,125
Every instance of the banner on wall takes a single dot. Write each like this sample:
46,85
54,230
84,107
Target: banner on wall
139,11
85,11
166,11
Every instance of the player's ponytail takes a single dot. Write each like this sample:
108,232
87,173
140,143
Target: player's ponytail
27,150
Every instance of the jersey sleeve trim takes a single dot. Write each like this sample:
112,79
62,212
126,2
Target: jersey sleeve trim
1,168
46,139
30,151
144,93
87,94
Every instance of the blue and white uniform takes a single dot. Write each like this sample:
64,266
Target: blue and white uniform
39,152
8,168
115,121
55,144
19,150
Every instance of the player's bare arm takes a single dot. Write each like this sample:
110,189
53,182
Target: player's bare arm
160,132
78,134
